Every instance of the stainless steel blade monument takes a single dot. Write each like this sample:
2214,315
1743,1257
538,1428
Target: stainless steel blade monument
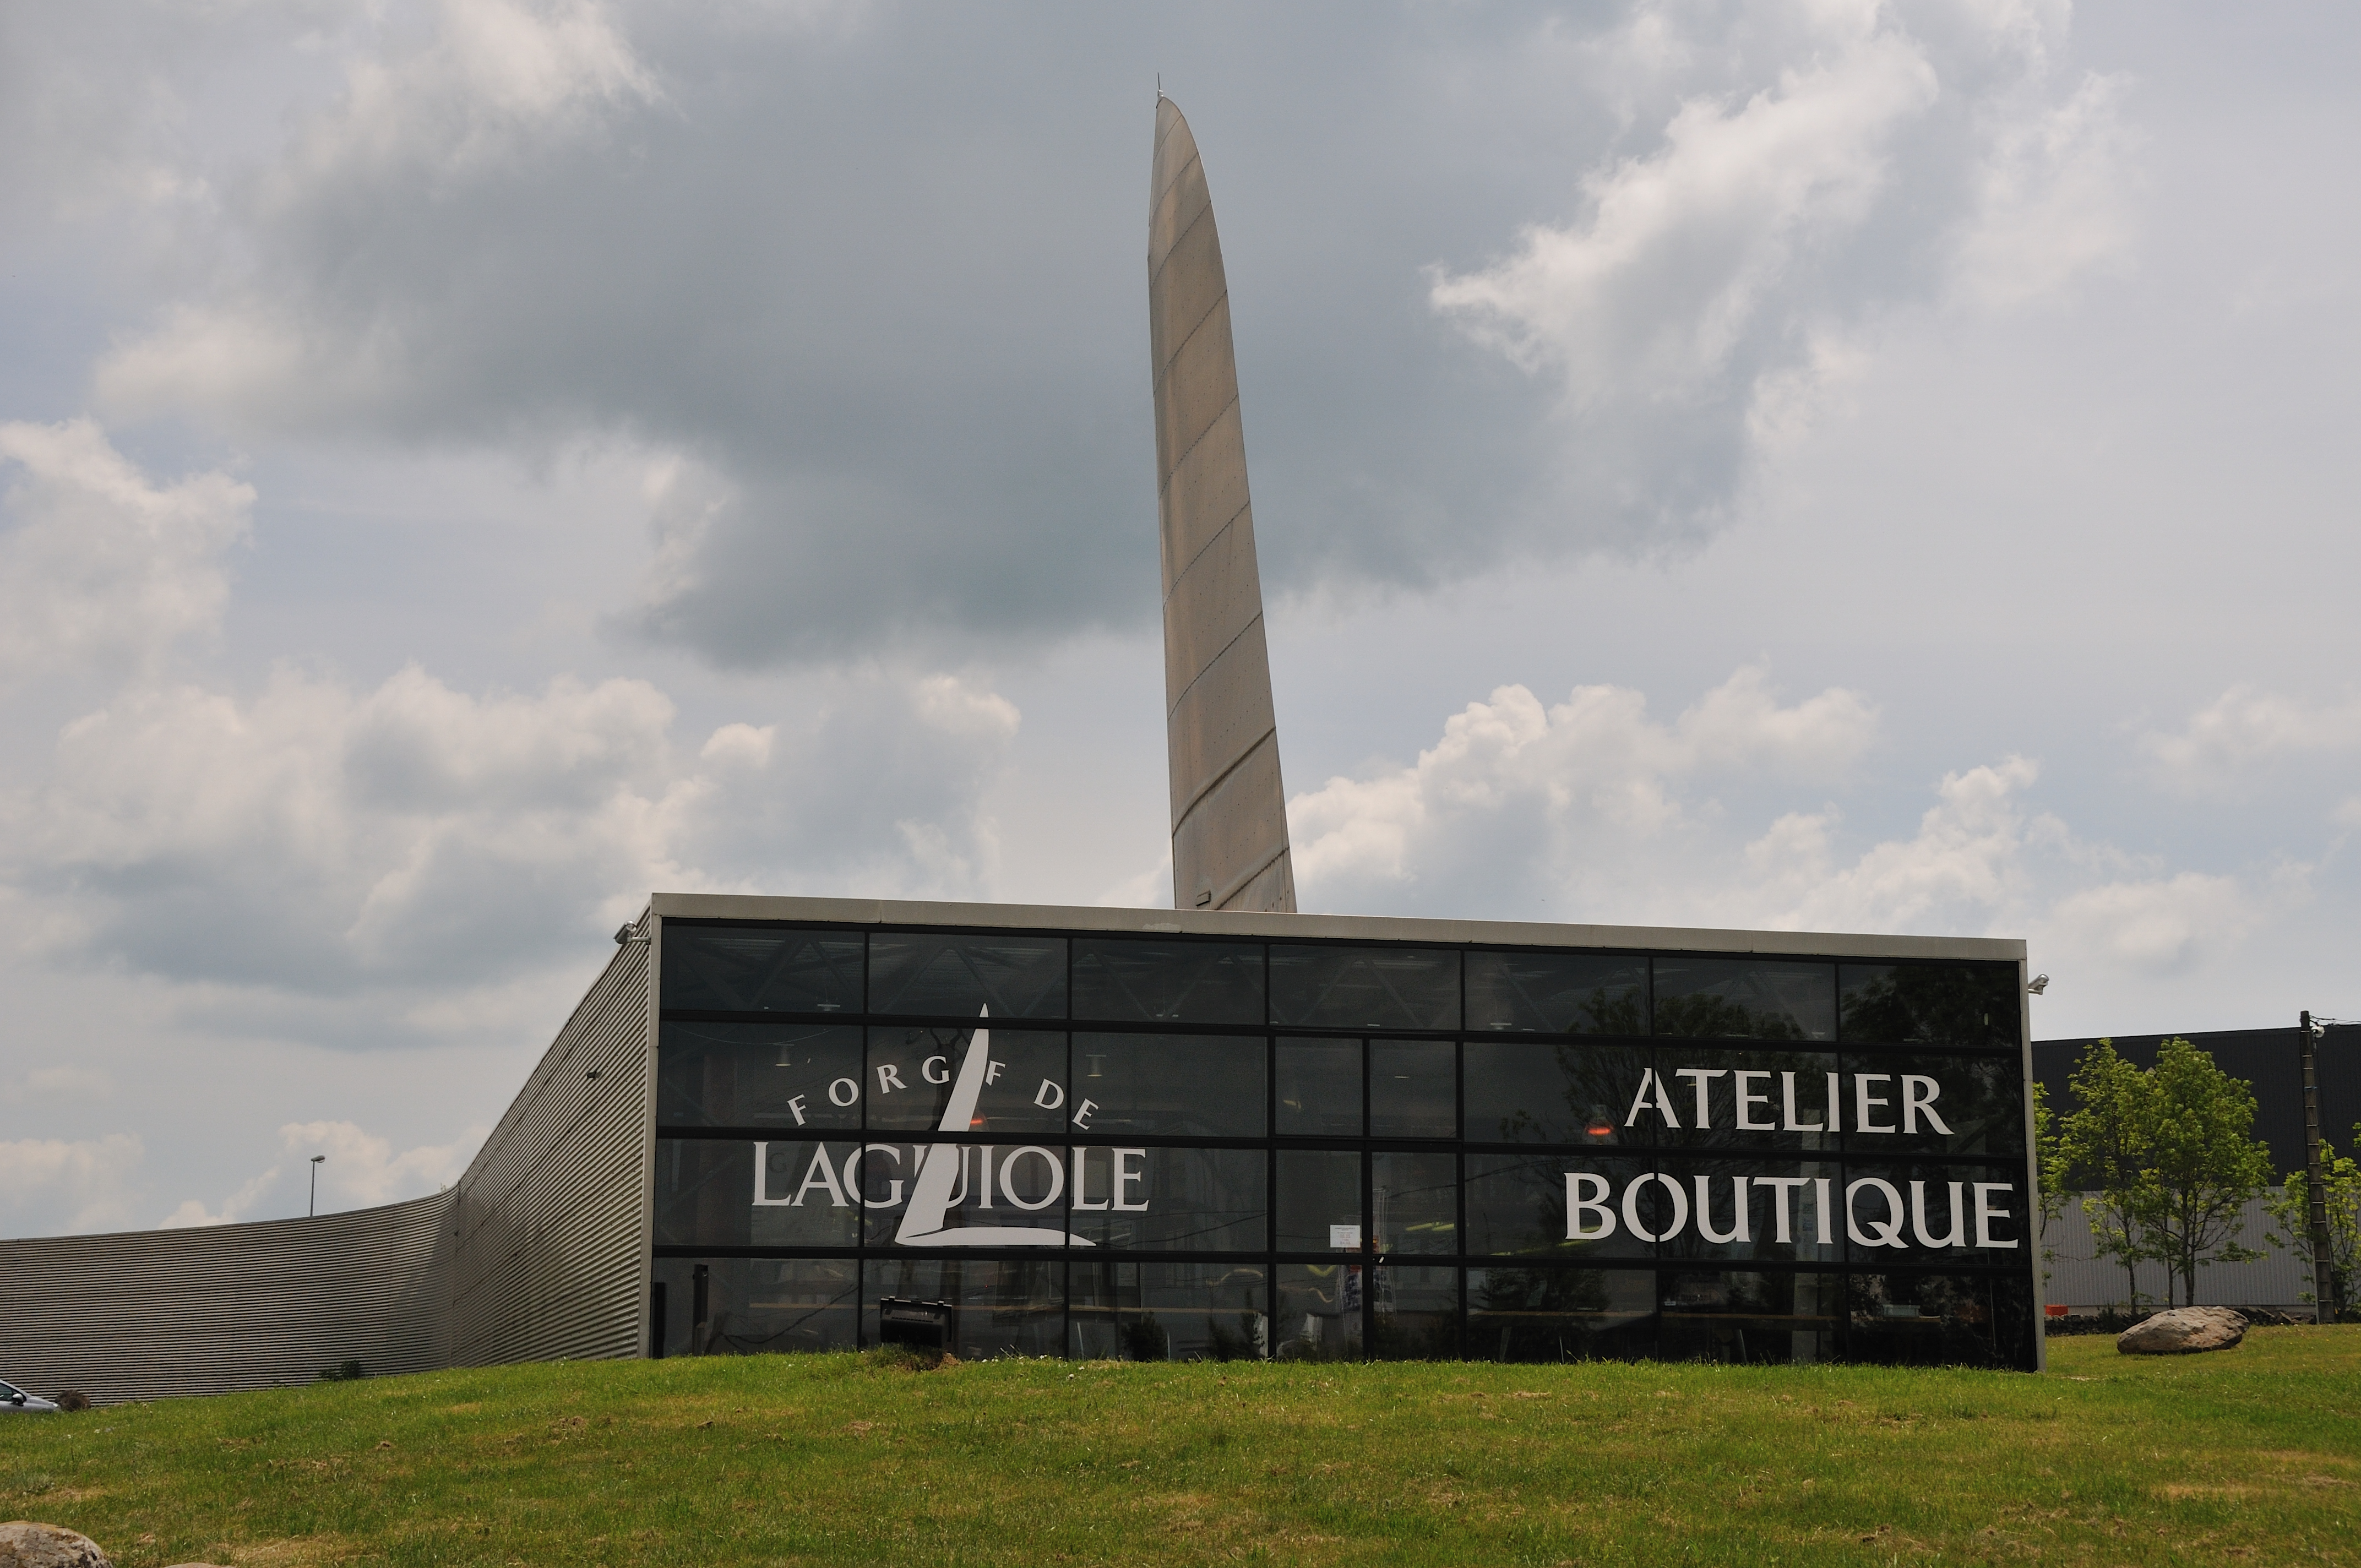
1229,809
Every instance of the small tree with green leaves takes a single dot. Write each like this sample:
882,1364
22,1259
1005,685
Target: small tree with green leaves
2050,1164
2104,1144
2204,1165
2291,1211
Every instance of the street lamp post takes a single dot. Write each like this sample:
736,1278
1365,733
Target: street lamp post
314,1208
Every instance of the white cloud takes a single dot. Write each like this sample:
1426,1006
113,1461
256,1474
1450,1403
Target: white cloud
313,839
2160,927
239,1205
91,1179
2053,201
1651,295
2245,732
1514,784
362,1170
99,566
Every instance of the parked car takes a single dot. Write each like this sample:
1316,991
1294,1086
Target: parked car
14,1399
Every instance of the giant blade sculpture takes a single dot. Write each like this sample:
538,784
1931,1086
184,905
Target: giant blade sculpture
1229,811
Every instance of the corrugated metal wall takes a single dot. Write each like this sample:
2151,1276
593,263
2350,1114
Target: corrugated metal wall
150,1314
2080,1278
547,1244
538,1254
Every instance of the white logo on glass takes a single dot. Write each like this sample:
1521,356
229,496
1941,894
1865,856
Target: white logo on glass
930,1192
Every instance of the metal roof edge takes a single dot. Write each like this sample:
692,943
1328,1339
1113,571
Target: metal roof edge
1328,927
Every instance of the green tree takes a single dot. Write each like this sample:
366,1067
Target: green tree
2202,1165
2104,1144
2291,1209
2050,1163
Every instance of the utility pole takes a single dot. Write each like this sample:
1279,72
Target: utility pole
313,1206
2324,1273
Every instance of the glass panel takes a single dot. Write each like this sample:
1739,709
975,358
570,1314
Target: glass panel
1758,1319
1187,1085
1940,1320
1934,1214
1557,993
957,977
1414,1314
1760,999
1017,1194
706,1195
1749,1210
761,969
1364,988
1897,1103
1161,1200
1935,1005
1172,982
1319,1207
758,1305
1412,1092
1170,1311
1318,1089
1517,1206
752,1075
1414,1202
1748,1099
1014,1307
1532,1092
1561,1314
1018,1082
1319,1312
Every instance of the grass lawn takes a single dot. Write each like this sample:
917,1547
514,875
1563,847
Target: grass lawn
2249,1457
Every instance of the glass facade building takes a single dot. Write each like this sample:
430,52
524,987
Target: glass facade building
1231,1141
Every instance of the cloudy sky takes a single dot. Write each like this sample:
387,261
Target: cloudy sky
1799,463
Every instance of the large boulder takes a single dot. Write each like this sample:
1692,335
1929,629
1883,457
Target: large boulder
24,1544
2184,1331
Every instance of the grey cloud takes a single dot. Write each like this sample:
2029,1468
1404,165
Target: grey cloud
881,276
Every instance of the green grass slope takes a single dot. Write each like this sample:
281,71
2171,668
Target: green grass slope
2253,1456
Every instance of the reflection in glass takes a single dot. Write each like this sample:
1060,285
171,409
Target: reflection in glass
1935,1214
1745,1317
1940,1320
1534,1091
1762,999
1414,1313
1364,988
1319,1200
1934,1005
1745,1210
706,1194
1318,1089
1413,1091
1166,1199
1517,1207
761,969
753,1306
1748,1098
1557,993
753,1075
1185,1085
1013,1307
1561,1314
914,1073
1414,1201
1117,979
1320,1311
1014,976
1170,1311
1936,1104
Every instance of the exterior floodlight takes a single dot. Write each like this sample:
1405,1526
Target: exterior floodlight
2038,984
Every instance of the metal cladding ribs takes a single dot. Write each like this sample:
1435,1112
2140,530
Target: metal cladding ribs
1229,811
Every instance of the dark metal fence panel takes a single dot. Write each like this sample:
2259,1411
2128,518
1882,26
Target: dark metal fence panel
152,1313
